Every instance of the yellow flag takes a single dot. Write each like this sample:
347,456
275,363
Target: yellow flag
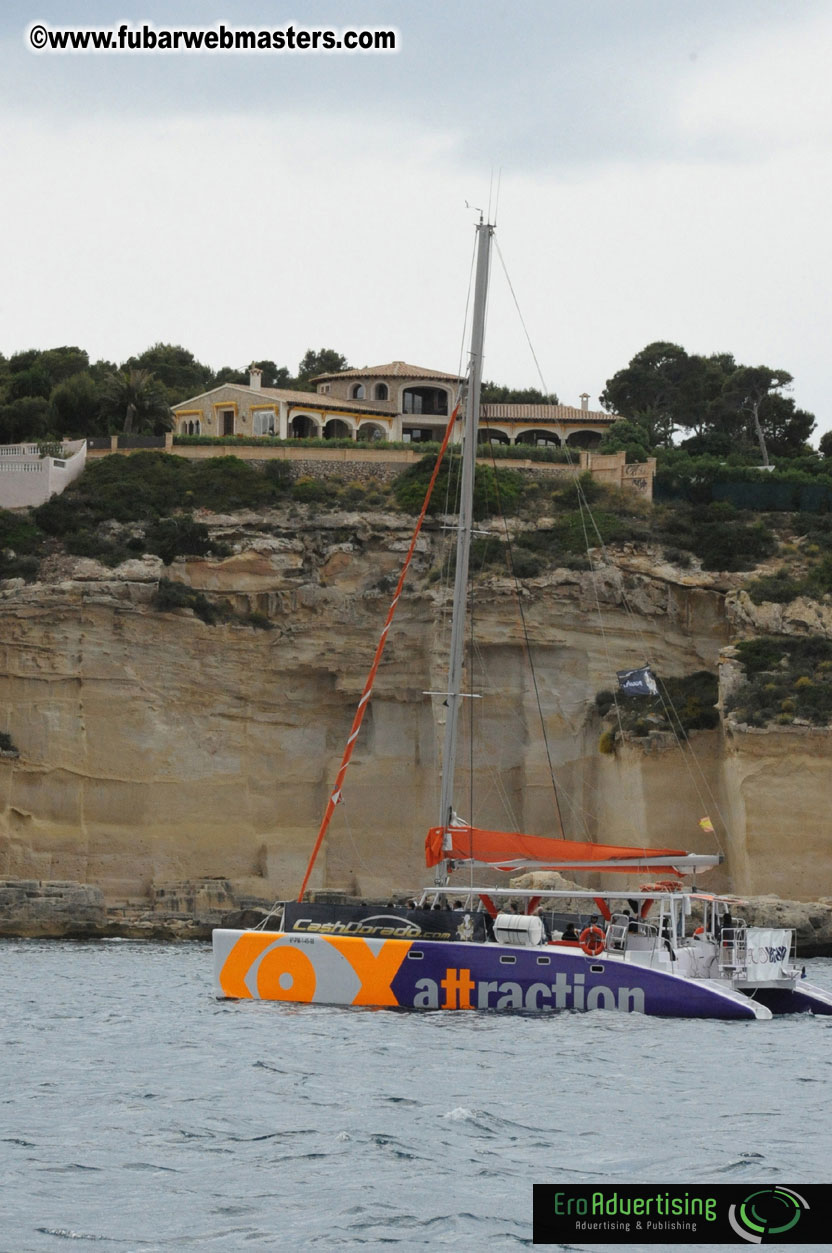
706,824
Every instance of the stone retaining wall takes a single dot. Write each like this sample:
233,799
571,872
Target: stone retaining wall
362,465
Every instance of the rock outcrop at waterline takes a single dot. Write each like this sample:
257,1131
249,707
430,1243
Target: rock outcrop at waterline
155,748
31,909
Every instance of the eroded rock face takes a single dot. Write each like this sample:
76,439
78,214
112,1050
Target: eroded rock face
155,748
31,908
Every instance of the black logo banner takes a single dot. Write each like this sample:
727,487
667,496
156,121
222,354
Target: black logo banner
392,922
668,1214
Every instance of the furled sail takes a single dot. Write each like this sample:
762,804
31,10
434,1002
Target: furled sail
512,850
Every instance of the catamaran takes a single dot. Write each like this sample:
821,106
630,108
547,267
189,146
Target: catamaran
660,948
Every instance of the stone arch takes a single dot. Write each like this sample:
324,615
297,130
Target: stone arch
492,435
339,428
305,426
357,391
584,439
371,432
539,437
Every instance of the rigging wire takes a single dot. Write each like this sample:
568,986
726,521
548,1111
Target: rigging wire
471,702
708,800
492,749
527,642
703,789
520,316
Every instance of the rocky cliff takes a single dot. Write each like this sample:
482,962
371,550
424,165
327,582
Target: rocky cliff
155,748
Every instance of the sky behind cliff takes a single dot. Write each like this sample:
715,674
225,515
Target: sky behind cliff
666,170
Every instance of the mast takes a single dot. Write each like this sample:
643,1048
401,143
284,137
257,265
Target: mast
463,541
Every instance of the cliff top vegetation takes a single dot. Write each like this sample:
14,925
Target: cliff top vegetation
124,506
787,680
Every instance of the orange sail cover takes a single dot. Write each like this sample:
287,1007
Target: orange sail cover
511,850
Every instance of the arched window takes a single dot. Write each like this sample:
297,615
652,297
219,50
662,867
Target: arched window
382,392
190,428
197,430
358,391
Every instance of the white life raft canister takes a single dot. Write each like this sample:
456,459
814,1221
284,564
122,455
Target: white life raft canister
526,930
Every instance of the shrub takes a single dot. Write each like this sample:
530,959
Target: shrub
354,493
526,565
147,486
569,533
684,704
259,620
486,550
604,702
6,743
179,536
280,474
785,678
606,743
780,588
495,490
310,491
171,596
718,534
21,546
100,547
764,652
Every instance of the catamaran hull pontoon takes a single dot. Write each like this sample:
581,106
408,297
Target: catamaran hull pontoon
431,975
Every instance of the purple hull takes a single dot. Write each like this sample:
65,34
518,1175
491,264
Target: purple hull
307,967
490,976
803,999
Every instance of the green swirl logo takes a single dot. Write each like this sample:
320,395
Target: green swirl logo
767,1214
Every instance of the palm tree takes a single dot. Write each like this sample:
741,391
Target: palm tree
137,397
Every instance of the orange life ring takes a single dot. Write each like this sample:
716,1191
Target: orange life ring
699,931
592,940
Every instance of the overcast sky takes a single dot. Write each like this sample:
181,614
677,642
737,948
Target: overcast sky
666,170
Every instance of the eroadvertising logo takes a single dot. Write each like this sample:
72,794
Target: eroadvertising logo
672,1214
767,1213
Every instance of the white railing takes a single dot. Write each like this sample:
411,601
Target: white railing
733,949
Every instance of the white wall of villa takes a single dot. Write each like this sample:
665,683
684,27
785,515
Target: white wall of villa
28,478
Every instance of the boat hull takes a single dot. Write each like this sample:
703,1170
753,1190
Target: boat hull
403,974
803,998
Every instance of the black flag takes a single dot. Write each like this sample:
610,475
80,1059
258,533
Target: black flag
637,682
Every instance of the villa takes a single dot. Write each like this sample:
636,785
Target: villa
395,401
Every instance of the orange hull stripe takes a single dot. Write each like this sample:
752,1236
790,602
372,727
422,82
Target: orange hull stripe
238,963
375,970
286,974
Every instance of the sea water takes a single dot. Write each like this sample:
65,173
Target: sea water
139,1113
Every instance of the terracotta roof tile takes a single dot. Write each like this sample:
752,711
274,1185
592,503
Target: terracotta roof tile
313,399
393,369
544,413
322,400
